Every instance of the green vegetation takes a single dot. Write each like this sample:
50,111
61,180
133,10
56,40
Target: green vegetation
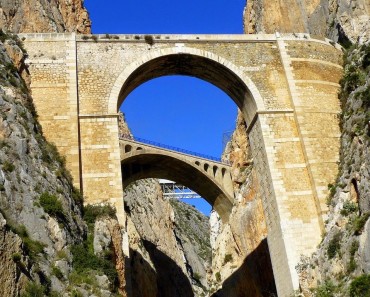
348,208
16,257
218,277
85,263
50,154
354,247
8,167
76,293
334,245
31,247
33,290
360,286
196,277
4,36
353,78
352,265
186,216
52,205
228,258
93,212
366,57
57,272
327,289
61,255
358,223
365,97
332,190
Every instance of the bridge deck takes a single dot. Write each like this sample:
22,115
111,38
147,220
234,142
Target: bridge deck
158,145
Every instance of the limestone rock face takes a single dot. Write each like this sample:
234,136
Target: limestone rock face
241,264
164,260
338,20
109,236
10,245
44,16
123,127
30,168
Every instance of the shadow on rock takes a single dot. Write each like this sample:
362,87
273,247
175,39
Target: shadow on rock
165,280
254,278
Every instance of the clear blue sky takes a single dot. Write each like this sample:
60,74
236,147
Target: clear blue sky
176,110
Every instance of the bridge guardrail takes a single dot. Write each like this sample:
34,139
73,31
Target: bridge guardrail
171,148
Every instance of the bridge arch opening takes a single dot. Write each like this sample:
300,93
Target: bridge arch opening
189,62
141,165
196,63
192,62
208,68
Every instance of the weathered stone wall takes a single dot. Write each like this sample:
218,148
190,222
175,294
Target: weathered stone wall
263,74
52,63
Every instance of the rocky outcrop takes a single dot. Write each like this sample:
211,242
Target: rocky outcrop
44,16
192,230
241,264
341,20
168,247
41,215
109,238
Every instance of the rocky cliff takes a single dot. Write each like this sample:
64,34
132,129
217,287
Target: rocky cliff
241,264
44,247
44,16
168,241
341,20
40,210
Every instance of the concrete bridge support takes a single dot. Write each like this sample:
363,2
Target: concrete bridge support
286,87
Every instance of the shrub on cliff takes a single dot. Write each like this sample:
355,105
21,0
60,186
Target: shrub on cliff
360,286
327,289
334,245
52,205
93,212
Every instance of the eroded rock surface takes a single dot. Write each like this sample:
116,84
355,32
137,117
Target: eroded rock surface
341,20
165,259
241,264
34,16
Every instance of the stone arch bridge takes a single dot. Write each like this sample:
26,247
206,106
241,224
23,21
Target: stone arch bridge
285,85
209,178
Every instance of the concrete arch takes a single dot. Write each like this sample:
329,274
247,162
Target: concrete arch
192,62
142,164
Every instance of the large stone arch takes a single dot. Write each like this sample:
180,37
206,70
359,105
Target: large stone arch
180,60
267,128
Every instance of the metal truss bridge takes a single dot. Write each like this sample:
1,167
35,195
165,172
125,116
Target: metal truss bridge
173,190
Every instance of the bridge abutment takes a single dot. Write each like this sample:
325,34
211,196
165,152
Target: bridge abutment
100,159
